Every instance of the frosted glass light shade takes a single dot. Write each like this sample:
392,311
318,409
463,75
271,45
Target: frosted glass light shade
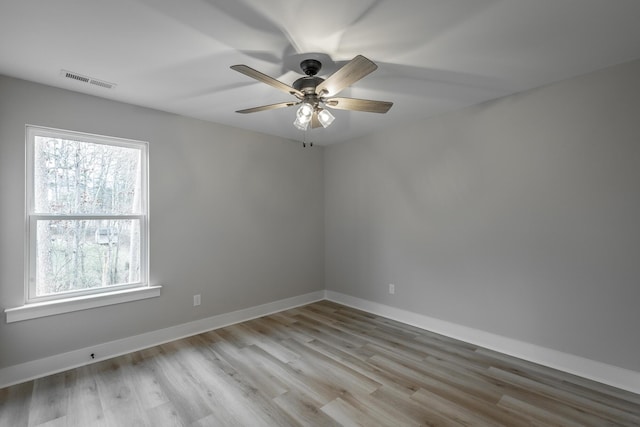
302,125
325,118
305,112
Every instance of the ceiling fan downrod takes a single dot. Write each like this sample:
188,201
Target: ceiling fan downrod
310,66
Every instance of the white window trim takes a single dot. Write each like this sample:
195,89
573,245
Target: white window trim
83,302
41,307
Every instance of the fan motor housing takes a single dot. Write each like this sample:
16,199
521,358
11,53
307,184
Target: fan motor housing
307,84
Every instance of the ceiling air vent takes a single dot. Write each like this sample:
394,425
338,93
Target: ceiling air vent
85,79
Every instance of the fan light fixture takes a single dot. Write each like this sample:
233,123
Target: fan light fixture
314,94
305,113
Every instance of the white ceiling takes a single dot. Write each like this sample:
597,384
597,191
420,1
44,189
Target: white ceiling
433,55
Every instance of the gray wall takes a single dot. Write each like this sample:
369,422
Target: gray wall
518,217
235,216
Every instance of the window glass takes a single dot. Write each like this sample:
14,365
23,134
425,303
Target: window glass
75,177
86,213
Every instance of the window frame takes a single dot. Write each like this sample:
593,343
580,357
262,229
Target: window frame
32,218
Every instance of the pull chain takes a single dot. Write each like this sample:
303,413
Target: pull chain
304,140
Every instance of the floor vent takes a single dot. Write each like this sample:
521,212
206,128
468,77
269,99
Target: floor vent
85,79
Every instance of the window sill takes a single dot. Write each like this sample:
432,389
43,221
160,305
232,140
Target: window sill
67,305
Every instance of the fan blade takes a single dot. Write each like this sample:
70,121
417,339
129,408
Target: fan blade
359,105
350,73
255,74
267,107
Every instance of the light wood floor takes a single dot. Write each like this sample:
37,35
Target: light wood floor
321,365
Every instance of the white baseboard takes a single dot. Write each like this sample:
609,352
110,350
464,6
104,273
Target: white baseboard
607,374
61,362
601,372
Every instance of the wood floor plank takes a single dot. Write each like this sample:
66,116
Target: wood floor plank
85,404
177,382
329,334
423,415
342,357
143,372
346,415
163,415
537,413
293,379
49,401
269,343
303,410
369,405
57,422
15,403
322,364
486,385
246,402
456,393
576,401
262,379
452,411
571,383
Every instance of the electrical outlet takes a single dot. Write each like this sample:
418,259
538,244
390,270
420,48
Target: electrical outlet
196,300
392,288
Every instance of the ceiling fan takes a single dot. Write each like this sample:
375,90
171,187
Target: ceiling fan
314,93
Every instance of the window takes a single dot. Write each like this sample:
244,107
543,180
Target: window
87,227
